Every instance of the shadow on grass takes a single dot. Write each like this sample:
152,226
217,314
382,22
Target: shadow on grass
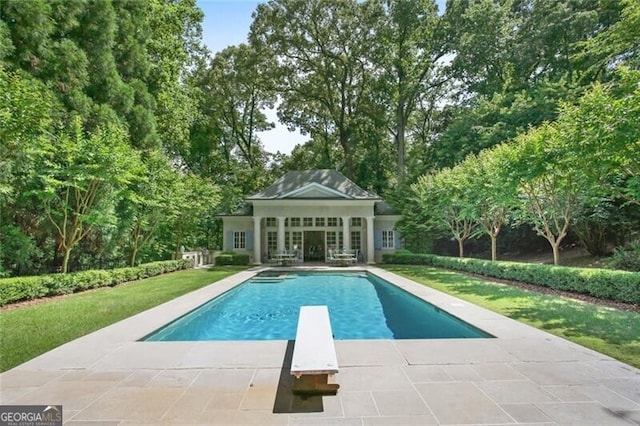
569,317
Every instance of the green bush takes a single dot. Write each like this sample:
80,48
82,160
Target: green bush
622,286
231,258
627,257
26,288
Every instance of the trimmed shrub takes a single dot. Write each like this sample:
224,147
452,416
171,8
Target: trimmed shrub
231,258
622,286
26,288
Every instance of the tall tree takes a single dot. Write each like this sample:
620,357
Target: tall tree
27,114
491,190
413,39
233,91
549,191
109,62
600,135
514,61
238,92
26,110
82,175
324,79
447,204
148,202
173,47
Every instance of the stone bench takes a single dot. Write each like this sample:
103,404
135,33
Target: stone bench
314,353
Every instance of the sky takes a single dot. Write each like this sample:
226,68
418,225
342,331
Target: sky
226,23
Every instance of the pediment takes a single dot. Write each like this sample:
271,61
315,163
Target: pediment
315,191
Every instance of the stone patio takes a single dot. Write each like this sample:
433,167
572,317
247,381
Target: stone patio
523,376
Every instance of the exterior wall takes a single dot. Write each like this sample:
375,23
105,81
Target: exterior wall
233,224
315,208
385,223
338,230
309,208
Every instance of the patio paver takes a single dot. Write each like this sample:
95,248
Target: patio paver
523,376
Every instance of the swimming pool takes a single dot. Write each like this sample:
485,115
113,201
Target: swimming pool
361,306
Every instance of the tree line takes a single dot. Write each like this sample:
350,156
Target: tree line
579,172
123,136
93,109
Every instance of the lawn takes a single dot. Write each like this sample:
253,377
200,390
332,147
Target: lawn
609,331
28,331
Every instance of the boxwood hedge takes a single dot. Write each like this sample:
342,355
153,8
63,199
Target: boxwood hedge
616,285
231,258
26,288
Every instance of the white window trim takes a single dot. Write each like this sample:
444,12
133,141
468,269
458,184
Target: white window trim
239,240
388,239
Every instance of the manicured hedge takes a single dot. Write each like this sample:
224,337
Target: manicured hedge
231,258
622,286
26,288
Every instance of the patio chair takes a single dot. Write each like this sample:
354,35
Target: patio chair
273,260
330,259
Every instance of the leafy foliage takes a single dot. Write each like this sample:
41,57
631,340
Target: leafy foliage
80,178
94,108
487,115
325,85
627,257
549,175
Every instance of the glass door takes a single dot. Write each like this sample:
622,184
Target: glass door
313,246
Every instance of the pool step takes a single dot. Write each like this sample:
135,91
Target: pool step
274,279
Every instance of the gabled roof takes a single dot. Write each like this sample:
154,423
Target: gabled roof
314,184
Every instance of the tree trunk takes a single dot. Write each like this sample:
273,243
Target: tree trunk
494,247
134,252
348,155
65,260
400,128
460,248
177,254
556,252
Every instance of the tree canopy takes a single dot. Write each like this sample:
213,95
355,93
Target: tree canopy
122,137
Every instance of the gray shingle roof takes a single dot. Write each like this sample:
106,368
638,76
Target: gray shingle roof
331,179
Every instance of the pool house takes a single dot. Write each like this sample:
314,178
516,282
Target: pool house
312,213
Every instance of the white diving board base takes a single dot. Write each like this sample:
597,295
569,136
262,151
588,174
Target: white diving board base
314,353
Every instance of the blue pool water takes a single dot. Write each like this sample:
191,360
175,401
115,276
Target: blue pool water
361,306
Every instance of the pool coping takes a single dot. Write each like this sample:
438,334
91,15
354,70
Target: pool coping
571,383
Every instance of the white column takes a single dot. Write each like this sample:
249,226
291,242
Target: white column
257,243
346,244
370,246
281,233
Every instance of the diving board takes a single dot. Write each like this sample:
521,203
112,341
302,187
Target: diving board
314,353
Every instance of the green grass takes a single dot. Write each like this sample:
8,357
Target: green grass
28,331
609,331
